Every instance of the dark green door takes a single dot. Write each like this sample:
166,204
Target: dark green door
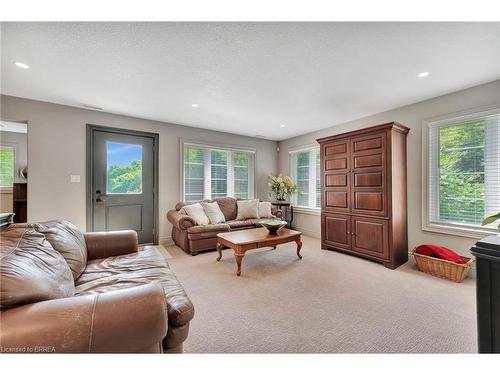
123,183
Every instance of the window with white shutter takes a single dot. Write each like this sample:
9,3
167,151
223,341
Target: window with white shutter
212,172
463,172
305,167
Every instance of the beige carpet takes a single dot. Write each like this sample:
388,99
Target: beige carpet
327,302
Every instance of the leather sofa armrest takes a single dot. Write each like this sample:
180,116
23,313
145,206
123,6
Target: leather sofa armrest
107,244
276,212
123,321
179,220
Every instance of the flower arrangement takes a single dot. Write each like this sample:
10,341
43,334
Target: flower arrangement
281,186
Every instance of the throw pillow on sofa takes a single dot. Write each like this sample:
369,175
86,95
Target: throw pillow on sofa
248,209
197,213
214,213
31,270
265,210
68,240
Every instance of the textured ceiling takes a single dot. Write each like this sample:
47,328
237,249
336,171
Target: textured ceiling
247,78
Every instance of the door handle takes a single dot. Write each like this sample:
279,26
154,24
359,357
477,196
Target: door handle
101,197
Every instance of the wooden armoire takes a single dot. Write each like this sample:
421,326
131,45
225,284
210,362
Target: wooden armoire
363,193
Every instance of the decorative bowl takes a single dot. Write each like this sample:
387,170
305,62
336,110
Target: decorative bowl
272,225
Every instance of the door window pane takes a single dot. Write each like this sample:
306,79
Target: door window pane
6,166
124,168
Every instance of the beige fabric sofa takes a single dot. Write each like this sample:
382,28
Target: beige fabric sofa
193,238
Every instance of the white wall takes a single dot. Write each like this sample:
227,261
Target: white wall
411,116
57,148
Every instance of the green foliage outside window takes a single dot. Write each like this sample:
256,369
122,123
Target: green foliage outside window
461,172
6,167
125,179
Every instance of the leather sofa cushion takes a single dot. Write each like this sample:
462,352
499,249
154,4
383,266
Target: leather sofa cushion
124,271
30,269
243,223
68,240
228,207
209,228
206,231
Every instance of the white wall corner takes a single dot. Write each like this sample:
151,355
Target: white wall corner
166,241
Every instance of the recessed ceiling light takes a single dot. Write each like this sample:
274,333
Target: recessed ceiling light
22,65
423,74
194,105
282,125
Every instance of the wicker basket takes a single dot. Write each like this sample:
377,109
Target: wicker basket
443,268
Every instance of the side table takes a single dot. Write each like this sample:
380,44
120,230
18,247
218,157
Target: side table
287,209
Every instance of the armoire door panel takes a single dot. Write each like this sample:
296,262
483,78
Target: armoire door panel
335,149
370,236
336,230
368,161
336,180
336,164
368,142
368,179
369,203
336,199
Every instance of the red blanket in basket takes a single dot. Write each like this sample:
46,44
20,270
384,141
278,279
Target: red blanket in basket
440,252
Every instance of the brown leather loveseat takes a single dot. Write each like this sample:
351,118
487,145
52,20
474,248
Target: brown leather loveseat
64,291
193,238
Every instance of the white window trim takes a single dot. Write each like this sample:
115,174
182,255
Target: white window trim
208,170
459,229
10,189
311,209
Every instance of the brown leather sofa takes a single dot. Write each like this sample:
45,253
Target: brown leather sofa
63,291
193,238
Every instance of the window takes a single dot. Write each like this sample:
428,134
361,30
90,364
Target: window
124,168
305,166
7,166
463,171
213,172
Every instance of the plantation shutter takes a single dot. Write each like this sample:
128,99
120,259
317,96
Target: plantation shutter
219,175
464,171
305,167
214,173
241,174
194,173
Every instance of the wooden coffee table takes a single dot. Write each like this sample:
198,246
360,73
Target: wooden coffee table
243,240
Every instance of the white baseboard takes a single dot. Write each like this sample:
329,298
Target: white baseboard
166,241
309,233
